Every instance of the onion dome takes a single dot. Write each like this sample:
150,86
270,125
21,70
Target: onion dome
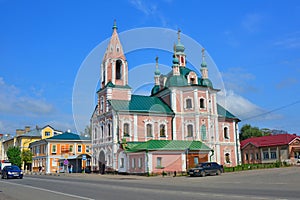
157,72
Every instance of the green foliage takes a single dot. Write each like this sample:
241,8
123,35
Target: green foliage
247,131
14,155
26,156
255,166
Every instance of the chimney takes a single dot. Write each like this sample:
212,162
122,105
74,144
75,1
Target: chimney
19,132
27,129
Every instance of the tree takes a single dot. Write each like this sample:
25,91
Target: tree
26,157
247,131
87,131
14,156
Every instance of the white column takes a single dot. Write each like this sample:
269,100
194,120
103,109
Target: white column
135,127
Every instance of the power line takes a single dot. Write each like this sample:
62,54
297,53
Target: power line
276,109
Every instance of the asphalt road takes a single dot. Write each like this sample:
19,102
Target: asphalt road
279,183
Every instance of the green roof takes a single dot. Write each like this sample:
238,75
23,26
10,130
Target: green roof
225,113
68,136
166,145
111,85
155,89
144,104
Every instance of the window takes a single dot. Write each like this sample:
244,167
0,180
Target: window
118,69
266,155
87,149
159,162
71,148
188,103
149,130
53,148
273,155
190,130
196,160
79,148
227,157
101,104
102,131
133,163
126,130
162,130
38,149
203,132
122,163
202,103
140,162
257,156
108,127
247,157
47,133
226,134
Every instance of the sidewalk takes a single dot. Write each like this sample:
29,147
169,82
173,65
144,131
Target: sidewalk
94,175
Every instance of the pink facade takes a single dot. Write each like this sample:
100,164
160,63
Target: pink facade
181,107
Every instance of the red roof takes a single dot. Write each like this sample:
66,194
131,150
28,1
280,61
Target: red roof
271,140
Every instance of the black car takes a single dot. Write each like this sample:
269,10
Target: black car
207,168
12,172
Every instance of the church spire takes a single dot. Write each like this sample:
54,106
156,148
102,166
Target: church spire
180,50
115,25
157,72
114,67
203,69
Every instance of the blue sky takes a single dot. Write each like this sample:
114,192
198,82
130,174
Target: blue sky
254,44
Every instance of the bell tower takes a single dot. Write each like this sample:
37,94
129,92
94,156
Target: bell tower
114,67
113,74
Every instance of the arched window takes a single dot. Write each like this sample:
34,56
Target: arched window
202,105
190,130
118,69
109,131
203,132
149,130
226,133
182,61
126,130
101,104
188,103
162,130
102,131
227,157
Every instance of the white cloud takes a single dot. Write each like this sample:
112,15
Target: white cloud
149,9
13,101
252,22
243,108
144,7
288,82
239,80
289,41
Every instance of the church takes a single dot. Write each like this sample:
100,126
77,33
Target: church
178,126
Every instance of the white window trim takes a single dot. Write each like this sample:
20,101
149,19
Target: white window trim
186,127
185,103
204,101
152,130
166,130
228,132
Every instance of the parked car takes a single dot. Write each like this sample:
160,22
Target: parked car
207,168
12,171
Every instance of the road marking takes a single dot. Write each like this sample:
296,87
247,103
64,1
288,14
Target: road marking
52,191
